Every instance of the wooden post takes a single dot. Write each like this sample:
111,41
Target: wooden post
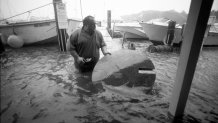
61,31
193,37
2,48
109,19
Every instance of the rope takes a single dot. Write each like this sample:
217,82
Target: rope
28,15
26,12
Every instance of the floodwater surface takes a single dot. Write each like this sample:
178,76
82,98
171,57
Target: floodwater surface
39,84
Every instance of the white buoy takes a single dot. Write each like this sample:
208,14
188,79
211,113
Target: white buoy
15,41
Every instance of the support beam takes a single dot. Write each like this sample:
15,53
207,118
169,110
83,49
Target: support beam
109,19
193,37
61,24
2,48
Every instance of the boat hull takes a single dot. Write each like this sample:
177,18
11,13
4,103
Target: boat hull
37,31
211,39
158,33
131,32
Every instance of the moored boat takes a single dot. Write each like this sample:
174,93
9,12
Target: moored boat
131,31
156,30
35,31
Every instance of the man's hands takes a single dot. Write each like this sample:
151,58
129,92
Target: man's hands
80,60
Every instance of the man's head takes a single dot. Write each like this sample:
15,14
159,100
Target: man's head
89,24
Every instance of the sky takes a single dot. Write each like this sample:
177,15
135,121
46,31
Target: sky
97,8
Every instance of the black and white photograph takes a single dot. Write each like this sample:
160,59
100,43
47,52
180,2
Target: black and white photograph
109,61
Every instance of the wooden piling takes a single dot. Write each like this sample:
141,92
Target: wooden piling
109,19
61,23
2,48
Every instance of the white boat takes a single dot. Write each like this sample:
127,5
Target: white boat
131,30
35,31
156,30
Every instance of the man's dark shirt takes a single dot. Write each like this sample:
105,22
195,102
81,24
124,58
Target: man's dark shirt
87,46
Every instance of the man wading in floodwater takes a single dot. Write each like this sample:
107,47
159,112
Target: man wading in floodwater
85,44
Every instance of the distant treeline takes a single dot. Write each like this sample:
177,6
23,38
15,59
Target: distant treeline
179,17
152,14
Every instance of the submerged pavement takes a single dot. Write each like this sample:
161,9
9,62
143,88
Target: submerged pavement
39,84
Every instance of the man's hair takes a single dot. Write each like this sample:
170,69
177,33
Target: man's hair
88,20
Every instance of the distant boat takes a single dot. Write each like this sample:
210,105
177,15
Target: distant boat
130,30
35,31
156,29
211,39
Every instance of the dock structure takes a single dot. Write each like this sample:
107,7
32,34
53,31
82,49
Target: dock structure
109,19
109,41
61,23
193,38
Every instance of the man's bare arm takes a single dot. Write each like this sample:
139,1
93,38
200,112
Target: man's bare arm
105,51
76,56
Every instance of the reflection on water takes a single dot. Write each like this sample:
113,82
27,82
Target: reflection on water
40,84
